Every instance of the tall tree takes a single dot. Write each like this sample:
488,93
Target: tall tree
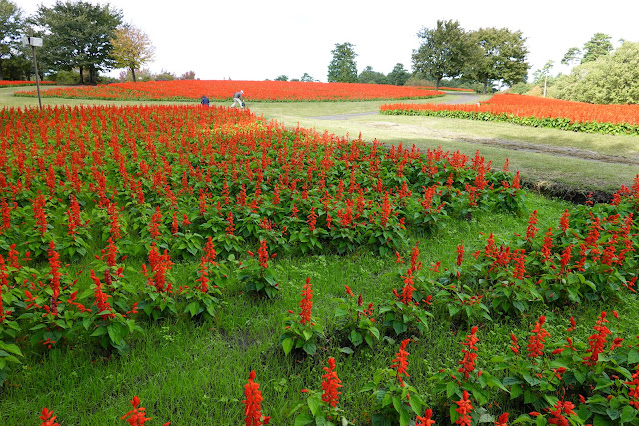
343,68
499,55
398,76
78,35
10,23
597,46
572,56
443,51
132,48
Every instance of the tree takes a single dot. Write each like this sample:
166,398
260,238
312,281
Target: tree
10,23
498,55
372,77
281,78
307,78
78,35
540,75
610,79
132,48
398,76
597,46
343,68
572,56
443,51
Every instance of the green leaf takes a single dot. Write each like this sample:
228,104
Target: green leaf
451,388
309,348
304,419
313,404
100,331
627,414
287,345
347,350
355,338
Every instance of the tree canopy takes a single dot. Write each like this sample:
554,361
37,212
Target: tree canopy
10,23
132,48
372,77
598,45
443,52
78,35
398,76
343,68
499,55
609,79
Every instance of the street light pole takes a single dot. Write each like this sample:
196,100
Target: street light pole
35,65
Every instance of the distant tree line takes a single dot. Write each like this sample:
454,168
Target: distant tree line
447,52
81,41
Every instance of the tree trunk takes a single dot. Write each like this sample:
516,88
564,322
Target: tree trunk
81,76
1,77
439,79
133,74
485,87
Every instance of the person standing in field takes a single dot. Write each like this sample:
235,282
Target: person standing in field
238,98
204,101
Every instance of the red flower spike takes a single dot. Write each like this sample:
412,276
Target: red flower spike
401,362
330,384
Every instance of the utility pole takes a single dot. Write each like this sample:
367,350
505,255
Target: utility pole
34,42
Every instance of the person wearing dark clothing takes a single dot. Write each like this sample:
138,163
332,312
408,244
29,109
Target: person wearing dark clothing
205,100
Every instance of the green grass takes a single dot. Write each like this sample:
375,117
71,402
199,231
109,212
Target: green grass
191,374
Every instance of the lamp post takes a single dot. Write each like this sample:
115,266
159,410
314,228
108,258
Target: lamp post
34,42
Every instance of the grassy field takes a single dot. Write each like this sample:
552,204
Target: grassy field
193,373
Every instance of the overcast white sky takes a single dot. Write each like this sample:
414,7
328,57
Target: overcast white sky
258,40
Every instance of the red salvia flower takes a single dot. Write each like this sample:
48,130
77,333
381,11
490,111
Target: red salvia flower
597,341
426,419
40,216
514,346
460,254
137,416
230,229
531,231
101,298
464,407
311,219
307,302
54,272
330,384
262,253
401,362
565,259
154,226
546,249
561,408
209,252
564,222
502,420
253,403
633,389
112,210
470,355
47,417
537,338
519,259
